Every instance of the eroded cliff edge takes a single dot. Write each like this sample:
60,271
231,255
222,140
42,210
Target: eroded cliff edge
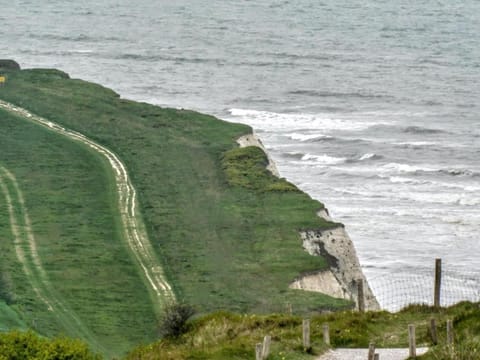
341,279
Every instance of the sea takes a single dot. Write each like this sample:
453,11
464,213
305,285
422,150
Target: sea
371,107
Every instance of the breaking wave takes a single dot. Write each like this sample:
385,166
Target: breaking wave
302,121
323,159
412,169
308,137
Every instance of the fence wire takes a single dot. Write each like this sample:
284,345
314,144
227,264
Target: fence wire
398,290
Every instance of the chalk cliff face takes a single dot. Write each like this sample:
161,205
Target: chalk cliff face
341,280
345,272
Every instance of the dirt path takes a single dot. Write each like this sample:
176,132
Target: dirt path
362,354
26,250
132,223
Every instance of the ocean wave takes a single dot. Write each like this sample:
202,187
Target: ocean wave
364,158
413,169
195,60
459,172
439,216
69,52
416,144
426,197
342,95
295,56
323,159
287,121
73,38
421,130
329,160
176,59
308,137
405,168
440,198
370,156
438,184
293,155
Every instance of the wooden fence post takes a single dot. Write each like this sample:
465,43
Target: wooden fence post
258,351
438,282
412,346
306,334
371,351
266,346
360,295
376,356
433,331
326,334
449,332
289,308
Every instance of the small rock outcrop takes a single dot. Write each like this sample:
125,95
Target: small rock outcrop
7,64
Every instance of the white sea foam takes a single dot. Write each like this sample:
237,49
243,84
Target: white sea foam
405,168
280,121
367,156
324,159
404,180
79,51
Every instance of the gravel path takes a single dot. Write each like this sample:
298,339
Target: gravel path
362,354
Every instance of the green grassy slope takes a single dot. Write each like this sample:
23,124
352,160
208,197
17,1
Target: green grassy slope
225,229
9,318
222,335
71,201
223,246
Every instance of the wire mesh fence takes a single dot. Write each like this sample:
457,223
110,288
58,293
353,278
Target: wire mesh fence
397,290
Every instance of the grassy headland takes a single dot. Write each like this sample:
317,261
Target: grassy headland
225,229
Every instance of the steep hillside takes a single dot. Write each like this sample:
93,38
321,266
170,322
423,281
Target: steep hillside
224,229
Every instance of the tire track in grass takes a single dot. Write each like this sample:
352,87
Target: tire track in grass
132,223
26,250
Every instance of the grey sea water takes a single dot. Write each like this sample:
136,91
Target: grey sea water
370,107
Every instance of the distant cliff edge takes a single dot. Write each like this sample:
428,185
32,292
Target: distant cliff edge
7,64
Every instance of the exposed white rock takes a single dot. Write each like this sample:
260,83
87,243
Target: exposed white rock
253,140
321,281
337,248
324,214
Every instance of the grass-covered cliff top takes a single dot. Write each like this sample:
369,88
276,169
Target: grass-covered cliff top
221,336
225,229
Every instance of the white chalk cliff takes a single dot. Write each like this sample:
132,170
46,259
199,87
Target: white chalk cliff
344,273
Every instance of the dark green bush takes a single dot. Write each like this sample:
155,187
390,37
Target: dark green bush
27,345
174,319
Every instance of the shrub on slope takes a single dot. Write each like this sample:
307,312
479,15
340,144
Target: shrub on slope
27,346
